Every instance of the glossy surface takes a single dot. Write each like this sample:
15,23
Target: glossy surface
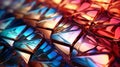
59,33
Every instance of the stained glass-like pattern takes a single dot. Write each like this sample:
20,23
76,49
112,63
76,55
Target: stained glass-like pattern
59,33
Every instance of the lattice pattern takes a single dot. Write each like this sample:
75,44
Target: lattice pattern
59,33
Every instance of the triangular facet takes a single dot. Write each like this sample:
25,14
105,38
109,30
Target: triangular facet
10,42
6,22
28,45
84,61
12,32
25,56
63,48
35,14
50,23
101,58
50,12
66,37
38,11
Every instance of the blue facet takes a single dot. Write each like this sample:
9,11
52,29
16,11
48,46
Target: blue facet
28,32
43,45
50,12
13,32
74,52
31,36
2,12
59,38
28,45
56,63
47,48
52,55
84,61
59,58
1,47
6,55
40,10
5,23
